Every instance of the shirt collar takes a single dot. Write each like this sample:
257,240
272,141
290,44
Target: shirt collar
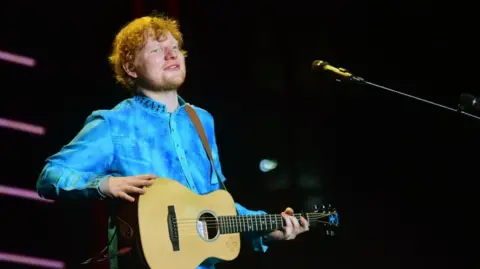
153,105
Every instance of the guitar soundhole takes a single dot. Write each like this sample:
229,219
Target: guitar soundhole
207,226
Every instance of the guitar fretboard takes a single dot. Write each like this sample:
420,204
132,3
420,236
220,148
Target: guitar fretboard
251,223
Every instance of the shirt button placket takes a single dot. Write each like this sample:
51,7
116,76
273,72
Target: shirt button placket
180,152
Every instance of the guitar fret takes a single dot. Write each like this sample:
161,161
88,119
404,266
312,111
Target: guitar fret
239,224
258,222
250,223
235,225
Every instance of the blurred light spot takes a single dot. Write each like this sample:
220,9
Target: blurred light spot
22,193
267,165
17,59
22,126
33,261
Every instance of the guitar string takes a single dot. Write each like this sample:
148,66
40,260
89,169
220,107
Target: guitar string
239,222
232,225
253,217
189,232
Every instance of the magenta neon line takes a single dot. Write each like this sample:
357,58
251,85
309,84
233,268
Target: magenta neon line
17,59
34,261
22,126
22,193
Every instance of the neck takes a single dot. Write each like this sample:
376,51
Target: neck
253,223
169,98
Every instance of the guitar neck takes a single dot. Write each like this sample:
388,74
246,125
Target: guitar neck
259,223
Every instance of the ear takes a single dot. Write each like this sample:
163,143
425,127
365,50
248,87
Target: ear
130,69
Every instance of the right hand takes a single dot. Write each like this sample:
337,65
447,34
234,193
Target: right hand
125,187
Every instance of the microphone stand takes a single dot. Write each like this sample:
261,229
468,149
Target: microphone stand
359,80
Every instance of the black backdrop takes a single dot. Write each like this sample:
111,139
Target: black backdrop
401,172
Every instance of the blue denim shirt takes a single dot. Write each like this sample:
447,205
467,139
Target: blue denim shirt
138,136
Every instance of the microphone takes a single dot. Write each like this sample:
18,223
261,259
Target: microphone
467,101
342,73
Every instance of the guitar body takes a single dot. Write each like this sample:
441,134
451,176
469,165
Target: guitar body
161,226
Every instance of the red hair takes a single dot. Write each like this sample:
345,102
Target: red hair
131,39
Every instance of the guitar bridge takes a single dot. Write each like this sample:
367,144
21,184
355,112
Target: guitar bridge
173,228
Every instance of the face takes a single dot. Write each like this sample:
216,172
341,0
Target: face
160,65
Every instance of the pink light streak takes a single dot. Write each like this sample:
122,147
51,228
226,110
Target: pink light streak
22,193
17,59
39,262
22,126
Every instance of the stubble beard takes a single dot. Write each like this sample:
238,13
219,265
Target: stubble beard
168,86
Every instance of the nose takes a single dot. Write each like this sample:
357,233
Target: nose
170,54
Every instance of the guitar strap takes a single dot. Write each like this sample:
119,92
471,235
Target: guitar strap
201,132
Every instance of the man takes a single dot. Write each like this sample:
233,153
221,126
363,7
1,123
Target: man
120,151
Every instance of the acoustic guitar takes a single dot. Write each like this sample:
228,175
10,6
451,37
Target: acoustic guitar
172,227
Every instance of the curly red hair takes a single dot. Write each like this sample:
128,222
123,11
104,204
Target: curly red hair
132,37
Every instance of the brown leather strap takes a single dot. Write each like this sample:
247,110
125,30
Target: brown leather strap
201,132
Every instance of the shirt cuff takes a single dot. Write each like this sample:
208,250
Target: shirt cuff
97,183
259,245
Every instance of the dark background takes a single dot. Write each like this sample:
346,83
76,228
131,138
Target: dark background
402,173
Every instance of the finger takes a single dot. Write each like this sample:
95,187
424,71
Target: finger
146,177
141,182
127,197
133,189
295,223
305,224
289,211
288,226
288,221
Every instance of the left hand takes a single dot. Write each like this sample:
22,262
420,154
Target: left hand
293,226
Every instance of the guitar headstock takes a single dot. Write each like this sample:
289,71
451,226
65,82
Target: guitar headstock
328,216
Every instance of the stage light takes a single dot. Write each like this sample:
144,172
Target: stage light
22,126
17,59
22,193
32,261
267,165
